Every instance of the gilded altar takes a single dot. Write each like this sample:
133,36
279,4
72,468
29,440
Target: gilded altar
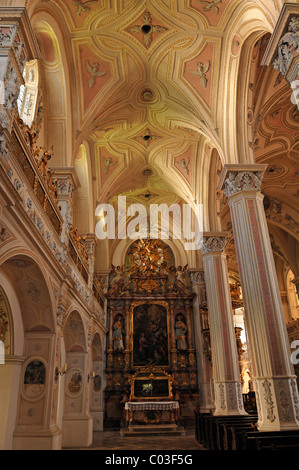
150,323
151,399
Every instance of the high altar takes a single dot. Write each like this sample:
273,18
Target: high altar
151,362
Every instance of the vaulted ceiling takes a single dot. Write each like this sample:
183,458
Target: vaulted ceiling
150,89
144,84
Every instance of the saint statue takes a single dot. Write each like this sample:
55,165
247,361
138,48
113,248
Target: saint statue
117,335
180,334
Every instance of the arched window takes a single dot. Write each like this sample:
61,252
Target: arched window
27,100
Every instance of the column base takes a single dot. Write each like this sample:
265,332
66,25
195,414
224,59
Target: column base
77,431
206,402
228,399
98,420
278,404
37,440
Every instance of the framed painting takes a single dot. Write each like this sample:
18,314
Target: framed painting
153,383
150,333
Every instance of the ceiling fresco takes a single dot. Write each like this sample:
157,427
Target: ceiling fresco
147,94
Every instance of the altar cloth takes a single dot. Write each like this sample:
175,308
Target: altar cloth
157,405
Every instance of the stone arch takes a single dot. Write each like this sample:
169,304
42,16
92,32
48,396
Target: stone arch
56,85
232,99
97,382
77,423
83,197
29,368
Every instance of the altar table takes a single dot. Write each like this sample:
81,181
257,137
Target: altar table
136,411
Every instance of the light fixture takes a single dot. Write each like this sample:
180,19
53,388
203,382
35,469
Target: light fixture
60,371
91,376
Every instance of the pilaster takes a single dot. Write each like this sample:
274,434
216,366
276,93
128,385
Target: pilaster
227,383
204,369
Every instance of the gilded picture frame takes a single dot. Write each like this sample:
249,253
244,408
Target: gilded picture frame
151,384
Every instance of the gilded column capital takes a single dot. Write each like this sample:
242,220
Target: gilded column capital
213,242
237,178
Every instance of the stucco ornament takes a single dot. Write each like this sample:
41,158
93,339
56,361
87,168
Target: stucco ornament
288,46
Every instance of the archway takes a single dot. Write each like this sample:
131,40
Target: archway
77,423
29,358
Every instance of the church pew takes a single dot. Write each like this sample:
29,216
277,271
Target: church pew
200,427
233,435
272,440
214,421
224,434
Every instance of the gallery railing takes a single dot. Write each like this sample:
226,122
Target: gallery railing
25,165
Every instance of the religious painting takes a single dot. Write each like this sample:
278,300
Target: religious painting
158,388
97,383
75,383
151,382
35,373
150,334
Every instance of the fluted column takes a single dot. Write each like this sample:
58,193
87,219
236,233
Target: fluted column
204,369
227,383
275,383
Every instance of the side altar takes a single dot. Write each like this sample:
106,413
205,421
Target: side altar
151,407
150,325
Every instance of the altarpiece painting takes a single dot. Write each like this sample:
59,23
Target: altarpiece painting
150,334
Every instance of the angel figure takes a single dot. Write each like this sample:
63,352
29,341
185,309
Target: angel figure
108,163
118,275
94,71
44,162
211,5
201,72
82,7
184,164
181,275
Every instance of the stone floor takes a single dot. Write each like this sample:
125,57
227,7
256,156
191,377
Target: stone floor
112,440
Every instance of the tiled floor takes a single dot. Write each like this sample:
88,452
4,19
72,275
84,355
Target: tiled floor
112,440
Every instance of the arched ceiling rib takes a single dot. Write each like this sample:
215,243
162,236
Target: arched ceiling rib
145,85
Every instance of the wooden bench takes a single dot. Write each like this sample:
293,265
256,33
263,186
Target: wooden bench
213,435
234,435
200,425
224,434
272,440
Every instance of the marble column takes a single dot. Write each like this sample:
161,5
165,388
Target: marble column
204,369
226,373
275,383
